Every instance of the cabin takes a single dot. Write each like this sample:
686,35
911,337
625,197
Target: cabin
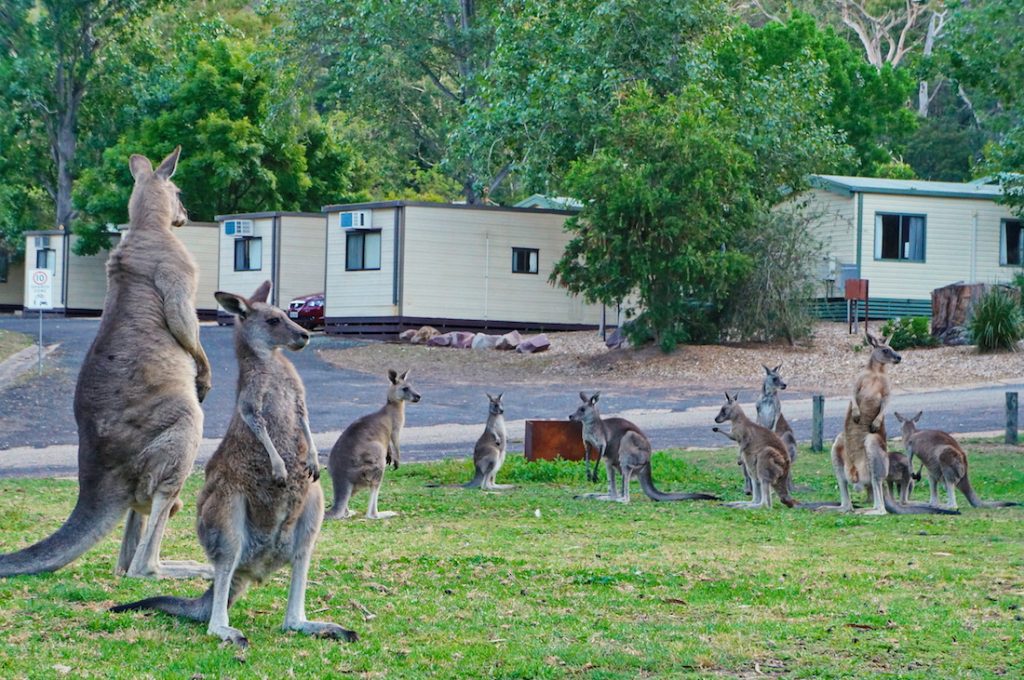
395,265
909,237
286,248
80,281
12,283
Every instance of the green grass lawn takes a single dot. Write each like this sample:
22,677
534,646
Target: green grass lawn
534,584
11,342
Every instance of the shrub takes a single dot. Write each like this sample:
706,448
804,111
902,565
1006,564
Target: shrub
996,322
910,332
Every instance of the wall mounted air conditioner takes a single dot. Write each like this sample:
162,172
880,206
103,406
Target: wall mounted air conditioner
357,219
238,228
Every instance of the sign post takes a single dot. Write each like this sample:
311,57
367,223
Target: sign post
40,296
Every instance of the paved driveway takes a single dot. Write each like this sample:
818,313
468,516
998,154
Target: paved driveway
38,432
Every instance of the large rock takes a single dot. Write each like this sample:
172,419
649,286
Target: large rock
444,340
424,334
462,339
407,335
537,343
617,339
510,340
485,341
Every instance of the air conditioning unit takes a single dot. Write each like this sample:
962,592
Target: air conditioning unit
238,228
357,219
41,242
829,268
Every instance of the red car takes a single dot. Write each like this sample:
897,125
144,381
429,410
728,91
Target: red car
307,311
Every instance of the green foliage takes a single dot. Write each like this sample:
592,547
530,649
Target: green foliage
867,104
240,154
904,333
996,322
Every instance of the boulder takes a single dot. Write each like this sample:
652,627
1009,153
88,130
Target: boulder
510,340
617,339
462,339
537,343
485,341
407,335
424,334
441,340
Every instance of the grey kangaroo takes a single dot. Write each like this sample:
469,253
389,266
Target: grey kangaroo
769,414
261,506
625,448
901,475
859,453
489,452
138,393
945,460
365,448
763,452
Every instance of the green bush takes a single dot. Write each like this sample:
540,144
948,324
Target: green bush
996,322
910,332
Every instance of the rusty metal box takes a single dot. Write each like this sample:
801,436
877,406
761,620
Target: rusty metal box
551,439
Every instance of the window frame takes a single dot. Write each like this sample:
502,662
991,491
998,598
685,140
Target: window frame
902,215
247,240
1004,241
528,251
5,266
350,236
53,255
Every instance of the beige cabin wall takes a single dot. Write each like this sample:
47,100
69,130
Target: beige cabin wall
303,257
360,293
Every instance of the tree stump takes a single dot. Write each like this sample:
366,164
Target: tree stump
951,307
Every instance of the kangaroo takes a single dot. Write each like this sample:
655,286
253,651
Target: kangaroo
625,448
764,456
366,447
945,460
859,453
489,452
769,414
138,394
261,506
901,475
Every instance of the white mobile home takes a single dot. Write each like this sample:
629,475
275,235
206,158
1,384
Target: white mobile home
286,248
401,264
80,281
12,283
908,237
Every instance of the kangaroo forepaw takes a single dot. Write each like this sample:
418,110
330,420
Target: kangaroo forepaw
203,387
313,470
874,427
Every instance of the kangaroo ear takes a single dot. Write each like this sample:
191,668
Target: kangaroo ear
234,304
584,397
489,397
728,400
872,340
887,340
169,164
766,369
139,165
499,397
393,376
898,416
736,397
776,369
917,417
262,293
404,375
593,399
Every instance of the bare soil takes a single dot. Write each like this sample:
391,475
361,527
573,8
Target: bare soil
827,363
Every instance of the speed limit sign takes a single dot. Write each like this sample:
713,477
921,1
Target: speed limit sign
40,289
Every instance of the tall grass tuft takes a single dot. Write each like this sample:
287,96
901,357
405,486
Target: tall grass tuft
996,322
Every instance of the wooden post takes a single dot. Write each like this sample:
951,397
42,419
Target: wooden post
1011,418
818,423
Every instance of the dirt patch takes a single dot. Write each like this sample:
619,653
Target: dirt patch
828,363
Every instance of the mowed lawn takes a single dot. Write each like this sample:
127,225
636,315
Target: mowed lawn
534,584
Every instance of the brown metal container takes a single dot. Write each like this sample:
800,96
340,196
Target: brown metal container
551,439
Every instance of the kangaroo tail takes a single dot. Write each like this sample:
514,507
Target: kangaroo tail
93,517
647,484
968,491
477,480
782,489
197,609
896,509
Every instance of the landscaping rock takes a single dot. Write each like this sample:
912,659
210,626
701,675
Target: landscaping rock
485,341
462,339
617,340
407,335
510,340
537,343
441,340
424,334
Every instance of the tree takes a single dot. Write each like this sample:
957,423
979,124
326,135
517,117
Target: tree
54,52
237,156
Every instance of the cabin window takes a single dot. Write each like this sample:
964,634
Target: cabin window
248,254
362,251
1011,242
46,258
899,237
525,260
5,261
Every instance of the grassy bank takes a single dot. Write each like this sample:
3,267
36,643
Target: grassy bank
532,583
11,342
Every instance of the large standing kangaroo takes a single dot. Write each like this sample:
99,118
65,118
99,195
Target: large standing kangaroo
138,393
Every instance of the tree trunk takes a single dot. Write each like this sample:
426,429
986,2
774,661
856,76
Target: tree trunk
64,147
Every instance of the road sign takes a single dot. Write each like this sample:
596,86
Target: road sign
40,289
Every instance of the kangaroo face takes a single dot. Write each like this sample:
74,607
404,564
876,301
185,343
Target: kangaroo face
729,408
882,352
261,325
401,389
587,410
154,192
772,380
495,407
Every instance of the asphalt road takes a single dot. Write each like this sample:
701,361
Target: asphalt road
38,432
